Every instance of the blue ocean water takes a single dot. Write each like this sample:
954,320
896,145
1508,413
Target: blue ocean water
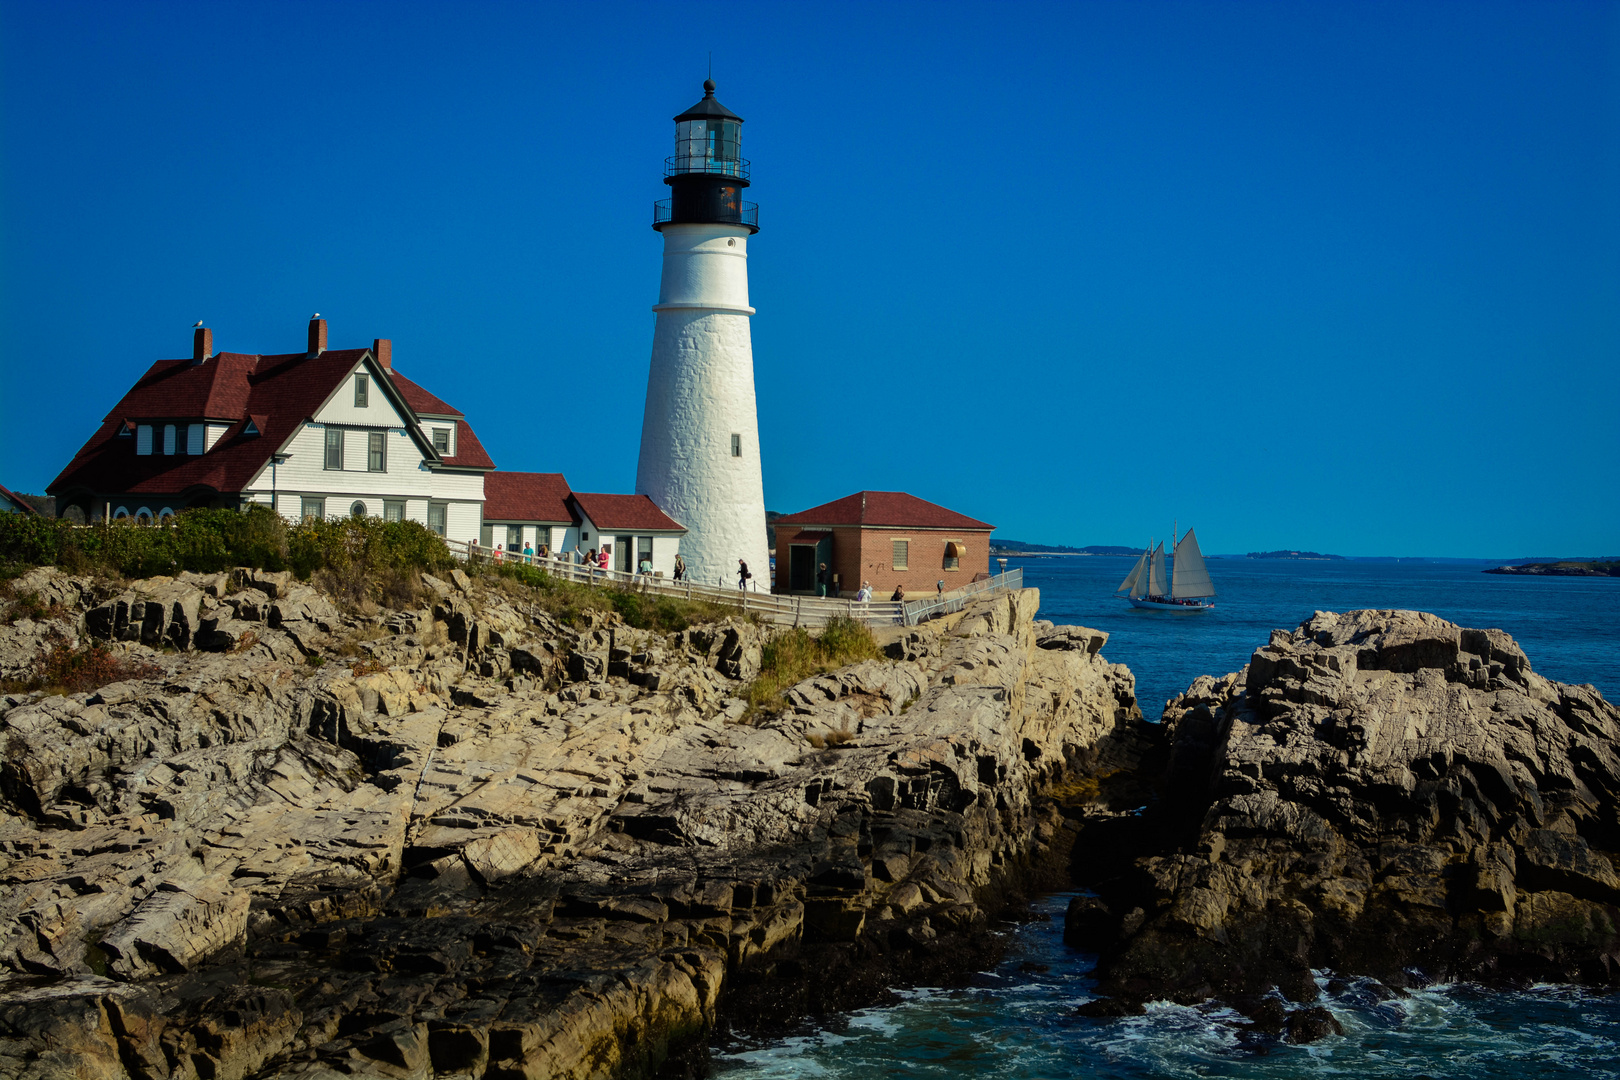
1018,1023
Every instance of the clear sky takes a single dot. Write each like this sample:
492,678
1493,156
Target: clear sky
1308,275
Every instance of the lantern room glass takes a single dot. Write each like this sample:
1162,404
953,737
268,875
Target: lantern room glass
708,146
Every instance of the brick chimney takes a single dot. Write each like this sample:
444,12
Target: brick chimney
317,335
202,345
383,349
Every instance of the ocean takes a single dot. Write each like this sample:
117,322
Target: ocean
1017,1022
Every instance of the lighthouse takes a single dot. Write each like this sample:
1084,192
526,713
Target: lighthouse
700,434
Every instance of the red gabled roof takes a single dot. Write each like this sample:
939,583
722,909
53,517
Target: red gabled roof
888,509
470,452
526,496
278,392
634,512
419,399
15,500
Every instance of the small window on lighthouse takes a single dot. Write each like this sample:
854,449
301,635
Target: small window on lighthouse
736,446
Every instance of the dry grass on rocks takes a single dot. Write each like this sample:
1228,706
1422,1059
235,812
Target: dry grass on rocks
569,602
794,656
63,668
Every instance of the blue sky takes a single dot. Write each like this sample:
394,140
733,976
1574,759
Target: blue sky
1331,276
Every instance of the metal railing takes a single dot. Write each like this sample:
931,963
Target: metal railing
681,165
748,215
786,609
955,600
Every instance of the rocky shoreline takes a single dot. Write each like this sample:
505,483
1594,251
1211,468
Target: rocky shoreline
487,844
1377,793
462,838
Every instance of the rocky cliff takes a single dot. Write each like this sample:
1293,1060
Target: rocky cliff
464,839
1378,792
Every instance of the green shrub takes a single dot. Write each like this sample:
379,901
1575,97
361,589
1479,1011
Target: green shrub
207,541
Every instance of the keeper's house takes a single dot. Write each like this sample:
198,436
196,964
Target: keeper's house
321,433
886,537
533,509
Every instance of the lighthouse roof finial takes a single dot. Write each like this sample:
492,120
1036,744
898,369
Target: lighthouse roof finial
708,108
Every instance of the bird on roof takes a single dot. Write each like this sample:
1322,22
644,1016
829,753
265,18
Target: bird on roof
197,325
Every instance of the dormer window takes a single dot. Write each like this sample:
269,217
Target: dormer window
362,390
143,439
441,441
168,440
194,439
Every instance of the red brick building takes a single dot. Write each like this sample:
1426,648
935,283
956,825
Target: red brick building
886,537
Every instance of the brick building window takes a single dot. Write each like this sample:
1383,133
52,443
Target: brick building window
334,448
902,555
954,550
376,452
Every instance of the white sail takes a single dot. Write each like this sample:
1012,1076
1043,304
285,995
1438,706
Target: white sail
1191,577
1155,582
1128,586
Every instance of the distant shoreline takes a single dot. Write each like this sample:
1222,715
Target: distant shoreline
1597,568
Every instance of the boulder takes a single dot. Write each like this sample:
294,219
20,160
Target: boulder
1377,791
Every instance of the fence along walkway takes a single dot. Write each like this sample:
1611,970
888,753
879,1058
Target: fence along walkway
789,610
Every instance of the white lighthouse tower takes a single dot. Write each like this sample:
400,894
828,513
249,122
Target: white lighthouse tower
700,436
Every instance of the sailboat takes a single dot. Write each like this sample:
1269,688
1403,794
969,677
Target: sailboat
1189,578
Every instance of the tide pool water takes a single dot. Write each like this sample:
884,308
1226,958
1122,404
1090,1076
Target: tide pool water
1018,1022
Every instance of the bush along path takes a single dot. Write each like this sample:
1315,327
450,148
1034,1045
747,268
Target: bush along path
487,827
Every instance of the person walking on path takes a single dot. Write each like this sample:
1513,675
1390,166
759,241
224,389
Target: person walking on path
680,568
823,579
742,574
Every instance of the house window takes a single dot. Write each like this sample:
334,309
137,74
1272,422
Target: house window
143,439
376,452
143,516
954,550
168,439
362,390
436,517
514,537
194,439
311,509
357,510
334,448
736,446
441,441
393,510
901,559
643,552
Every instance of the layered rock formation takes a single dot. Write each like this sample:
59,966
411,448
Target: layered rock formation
1379,792
467,840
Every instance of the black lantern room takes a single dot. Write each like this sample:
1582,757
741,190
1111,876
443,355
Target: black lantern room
708,173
